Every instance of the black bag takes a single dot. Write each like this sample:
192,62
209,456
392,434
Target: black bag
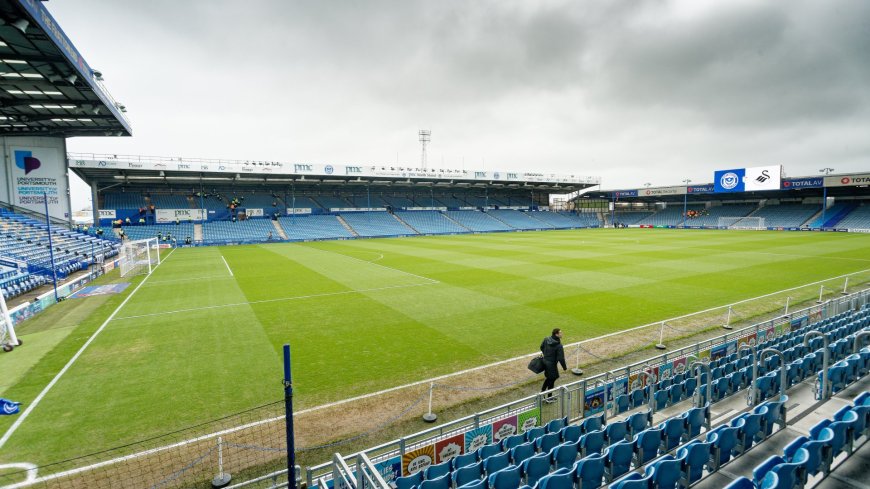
537,365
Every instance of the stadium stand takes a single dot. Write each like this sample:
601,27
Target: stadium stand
832,215
450,201
692,430
713,213
26,240
519,220
430,222
123,200
177,231
332,202
169,201
398,202
629,217
558,220
671,216
586,219
371,224
210,202
248,229
477,221
16,281
301,202
269,203
309,227
859,218
786,215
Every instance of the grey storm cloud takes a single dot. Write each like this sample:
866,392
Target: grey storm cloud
633,91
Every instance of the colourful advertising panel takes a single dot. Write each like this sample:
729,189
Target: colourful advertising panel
417,460
390,469
449,447
477,438
529,419
504,428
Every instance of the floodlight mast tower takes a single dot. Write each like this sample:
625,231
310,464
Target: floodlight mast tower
425,138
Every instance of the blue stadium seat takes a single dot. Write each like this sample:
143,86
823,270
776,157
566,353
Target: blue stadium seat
665,472
467,474
507,478
617,459
512,441
633,481
723,439
564,455
673,431
521,452
547,442
464,460
494,463
560,479
556,425
694,456
638,422
741,483
409,481
592,442
487,451
616,431
571,433
589,471
646,445
749,426
536,467
535,433
593,423
437,470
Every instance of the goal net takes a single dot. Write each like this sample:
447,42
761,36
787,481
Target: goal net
138,257
741,223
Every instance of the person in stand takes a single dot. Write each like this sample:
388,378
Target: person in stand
270,236
554,354
177,221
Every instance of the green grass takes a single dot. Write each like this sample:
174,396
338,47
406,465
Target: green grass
195,343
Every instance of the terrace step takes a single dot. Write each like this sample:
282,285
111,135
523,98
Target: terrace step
347,226
454,221
279,229
197,232
412,228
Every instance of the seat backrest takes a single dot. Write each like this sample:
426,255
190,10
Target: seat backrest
592,442
665,472
506,478
437,470
674,429
535,433
512,441
592,424
522,452
555,425
469,473
536,467
589,471
571,433
409,481
487,451
647,443
638,422
494,463
564,455
695,456
547,442
442,482
616,431
464,460
560,479
618,457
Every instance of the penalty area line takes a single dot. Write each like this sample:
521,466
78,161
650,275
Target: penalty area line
228,266
38,399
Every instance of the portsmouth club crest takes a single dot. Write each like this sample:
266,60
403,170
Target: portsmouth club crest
729,180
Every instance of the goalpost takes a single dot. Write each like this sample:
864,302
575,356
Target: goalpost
139,257
756,223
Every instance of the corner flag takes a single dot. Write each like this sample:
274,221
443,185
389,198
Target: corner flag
8,407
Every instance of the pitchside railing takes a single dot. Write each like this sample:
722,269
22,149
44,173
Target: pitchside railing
576,400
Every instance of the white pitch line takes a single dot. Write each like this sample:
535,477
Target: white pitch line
228,266
72,360
282,299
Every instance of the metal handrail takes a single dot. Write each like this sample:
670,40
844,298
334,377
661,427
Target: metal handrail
709,381
752,393
825,360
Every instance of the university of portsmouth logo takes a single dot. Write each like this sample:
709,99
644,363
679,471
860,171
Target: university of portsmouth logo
26,161
729,180
329,169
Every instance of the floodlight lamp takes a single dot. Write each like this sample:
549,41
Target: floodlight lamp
98,75
72,79
21,25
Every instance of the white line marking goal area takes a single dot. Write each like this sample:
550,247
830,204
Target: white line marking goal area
228,266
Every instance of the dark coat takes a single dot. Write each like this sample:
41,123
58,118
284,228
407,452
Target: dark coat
553,353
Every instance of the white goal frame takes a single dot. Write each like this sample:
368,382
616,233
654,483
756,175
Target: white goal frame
756,223
136,256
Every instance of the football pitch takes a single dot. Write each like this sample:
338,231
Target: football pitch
201,338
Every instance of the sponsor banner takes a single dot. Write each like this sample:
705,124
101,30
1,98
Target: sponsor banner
646,226
680,366
637,381
417,460
170,215
477,438
357,209
297,210
449,447
797,183
254,212
468,208
651,192
425,208
515,207
749,340
625,193
37,174
504,428
848,180
107,214
666,371
800,322
729,180
593,401
318,170
704,356
528,419
100,290
701,189
719,352
390,469
763,178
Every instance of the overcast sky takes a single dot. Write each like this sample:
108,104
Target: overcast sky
631,91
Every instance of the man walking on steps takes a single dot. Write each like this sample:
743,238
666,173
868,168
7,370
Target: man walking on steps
553,353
